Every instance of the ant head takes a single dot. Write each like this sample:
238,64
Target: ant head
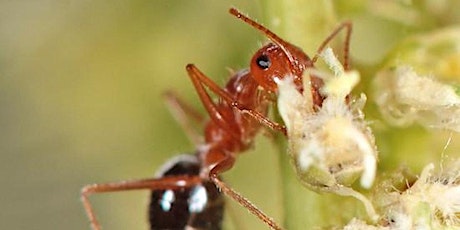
271,63
276,60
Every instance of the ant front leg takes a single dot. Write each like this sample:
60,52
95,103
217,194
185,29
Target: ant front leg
225,165
263,120
173,182
200,80
348,26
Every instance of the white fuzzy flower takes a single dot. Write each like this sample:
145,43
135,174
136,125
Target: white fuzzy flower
331,146
405,97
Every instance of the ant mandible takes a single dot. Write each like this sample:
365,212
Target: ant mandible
234,122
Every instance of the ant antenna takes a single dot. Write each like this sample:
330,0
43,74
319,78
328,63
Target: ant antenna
272,36
346,50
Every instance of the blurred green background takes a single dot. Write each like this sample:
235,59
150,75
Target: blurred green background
80,99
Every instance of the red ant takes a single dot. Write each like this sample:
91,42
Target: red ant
234,122
227,133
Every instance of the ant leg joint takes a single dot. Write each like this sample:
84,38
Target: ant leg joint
88,189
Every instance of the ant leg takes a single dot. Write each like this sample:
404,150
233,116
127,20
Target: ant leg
184,114
199,79
265,120
172,182
346,49
196,76
223,166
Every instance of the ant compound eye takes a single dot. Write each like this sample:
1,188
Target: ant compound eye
263,62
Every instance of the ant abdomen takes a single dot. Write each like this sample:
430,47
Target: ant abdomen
197,207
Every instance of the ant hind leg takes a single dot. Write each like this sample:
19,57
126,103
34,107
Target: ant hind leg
223,166
173,182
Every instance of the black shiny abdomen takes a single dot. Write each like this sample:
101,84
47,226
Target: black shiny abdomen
198,207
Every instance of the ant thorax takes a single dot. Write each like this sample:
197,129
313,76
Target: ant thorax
331,145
